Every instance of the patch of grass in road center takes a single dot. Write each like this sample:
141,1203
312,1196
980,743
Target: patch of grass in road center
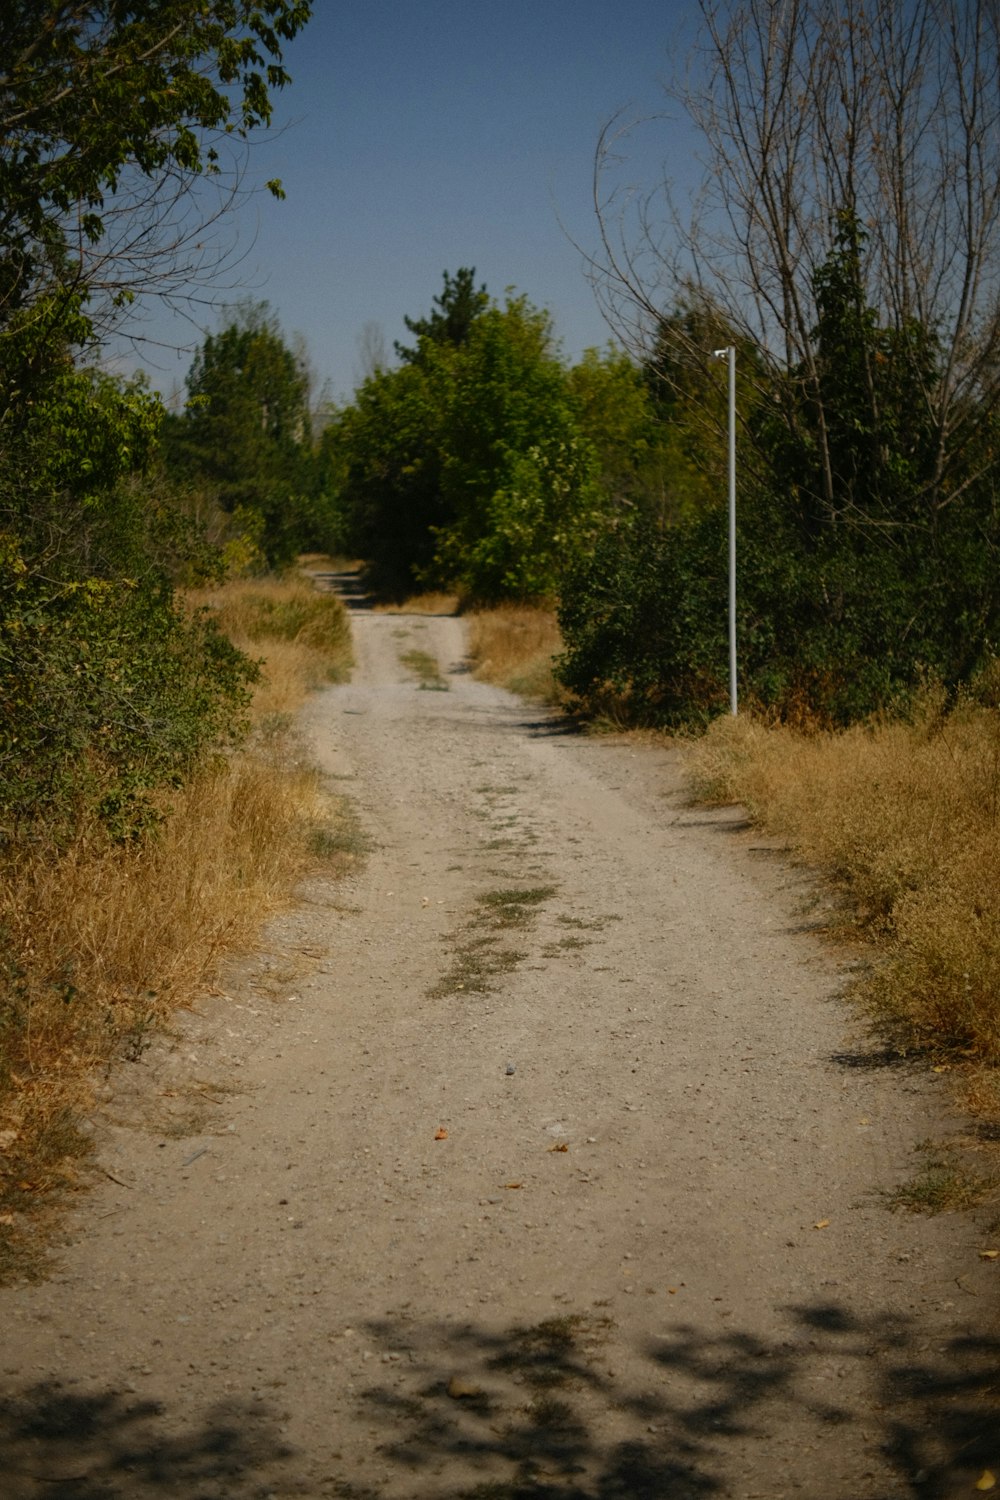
512,907
426,670
479,956
594,924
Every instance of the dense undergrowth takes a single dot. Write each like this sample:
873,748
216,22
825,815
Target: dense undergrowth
103,937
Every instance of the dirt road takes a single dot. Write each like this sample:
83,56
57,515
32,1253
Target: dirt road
538,1155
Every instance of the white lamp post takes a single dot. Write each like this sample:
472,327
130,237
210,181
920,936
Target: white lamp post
729,354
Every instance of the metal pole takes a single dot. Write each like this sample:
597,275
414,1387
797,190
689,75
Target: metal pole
730,355
733,701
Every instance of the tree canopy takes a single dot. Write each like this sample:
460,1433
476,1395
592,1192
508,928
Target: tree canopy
452,316
846,242
245,438
468,466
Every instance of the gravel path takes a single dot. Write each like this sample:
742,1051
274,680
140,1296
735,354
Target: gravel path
537,1159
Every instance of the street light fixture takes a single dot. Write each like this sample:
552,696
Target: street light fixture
729,354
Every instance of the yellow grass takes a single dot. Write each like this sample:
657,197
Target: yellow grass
431,603
301,635
513,645
904,817
101,944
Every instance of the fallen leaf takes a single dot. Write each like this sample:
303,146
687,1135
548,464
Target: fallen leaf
461,1389
989,1255
559,1146
441,1134
821,1223
986,1480
6,1218
944,1068
513,1184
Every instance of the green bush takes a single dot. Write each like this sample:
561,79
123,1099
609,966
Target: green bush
108,689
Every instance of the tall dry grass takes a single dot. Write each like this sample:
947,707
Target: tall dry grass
101,943
433,602
904,817
513,646
302,635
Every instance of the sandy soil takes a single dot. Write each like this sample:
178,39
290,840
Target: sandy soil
537,1159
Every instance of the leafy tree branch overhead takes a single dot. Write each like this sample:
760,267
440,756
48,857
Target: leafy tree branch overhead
110,114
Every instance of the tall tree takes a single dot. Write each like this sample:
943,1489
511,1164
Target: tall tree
452,317
814,116
467,467
111,116
245,435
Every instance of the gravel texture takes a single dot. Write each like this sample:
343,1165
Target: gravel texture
538,1158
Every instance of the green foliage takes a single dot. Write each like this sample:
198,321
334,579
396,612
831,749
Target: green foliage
106,106
518,479
466,467
108,690
452,316
860,570
644,623
387,448
109,114
643,465
244,438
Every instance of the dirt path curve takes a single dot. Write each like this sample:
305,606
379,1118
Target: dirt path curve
537,1161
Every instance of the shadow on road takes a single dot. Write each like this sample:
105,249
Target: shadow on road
347,584
538,1413
108,1445
460,1412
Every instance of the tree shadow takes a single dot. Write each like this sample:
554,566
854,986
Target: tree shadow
107,1445
560,1409
531,1413
552,724
349,586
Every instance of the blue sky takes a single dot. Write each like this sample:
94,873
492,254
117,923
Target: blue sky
424,135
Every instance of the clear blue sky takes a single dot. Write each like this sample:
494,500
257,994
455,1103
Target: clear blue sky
424,135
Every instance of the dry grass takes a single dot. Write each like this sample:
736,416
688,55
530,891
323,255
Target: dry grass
100,945
904,817
431,603
301,635
513,645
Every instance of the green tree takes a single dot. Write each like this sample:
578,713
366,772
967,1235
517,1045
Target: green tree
840,612
109,116
108,689
466,467
245,434
847,240
452,317
387,449
650,459
519,479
